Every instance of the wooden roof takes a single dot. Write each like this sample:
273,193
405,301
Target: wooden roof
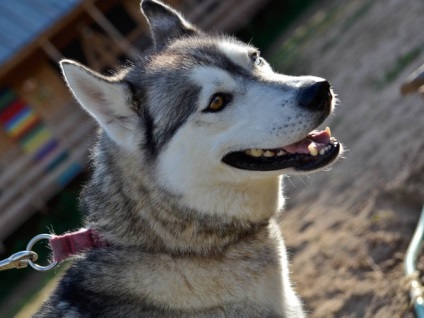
23,20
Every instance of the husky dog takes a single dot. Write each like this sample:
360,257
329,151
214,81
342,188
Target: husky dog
186,186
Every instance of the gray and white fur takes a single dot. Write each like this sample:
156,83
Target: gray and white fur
188,234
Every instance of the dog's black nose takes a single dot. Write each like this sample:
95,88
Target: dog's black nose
316,96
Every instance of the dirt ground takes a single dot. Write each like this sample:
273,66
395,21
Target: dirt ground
348,229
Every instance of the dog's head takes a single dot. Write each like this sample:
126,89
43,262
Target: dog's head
205,108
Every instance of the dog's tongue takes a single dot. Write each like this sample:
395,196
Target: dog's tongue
315,140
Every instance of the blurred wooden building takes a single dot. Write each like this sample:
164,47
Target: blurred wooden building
44,136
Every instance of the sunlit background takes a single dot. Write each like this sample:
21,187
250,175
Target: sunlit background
347,229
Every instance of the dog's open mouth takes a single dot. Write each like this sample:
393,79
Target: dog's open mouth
316,150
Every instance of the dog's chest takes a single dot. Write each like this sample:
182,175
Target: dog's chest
251,276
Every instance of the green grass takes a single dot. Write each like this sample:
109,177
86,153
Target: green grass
27,296
401,62
265,28
286,58
348,23
355,16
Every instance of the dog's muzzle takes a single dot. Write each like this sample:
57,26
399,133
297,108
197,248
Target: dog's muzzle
316,150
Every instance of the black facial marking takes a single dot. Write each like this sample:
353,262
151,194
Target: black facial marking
184,104
212,56
149,142
139,103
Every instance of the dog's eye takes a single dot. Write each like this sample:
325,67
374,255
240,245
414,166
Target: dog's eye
218,102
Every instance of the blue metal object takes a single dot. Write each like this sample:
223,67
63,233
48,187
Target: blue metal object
416,289
21,21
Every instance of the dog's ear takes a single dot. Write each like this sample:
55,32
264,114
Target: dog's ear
106,99
165,23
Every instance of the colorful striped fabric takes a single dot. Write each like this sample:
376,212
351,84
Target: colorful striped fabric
24,126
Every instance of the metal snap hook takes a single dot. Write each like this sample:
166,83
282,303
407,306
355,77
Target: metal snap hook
31,245
18,260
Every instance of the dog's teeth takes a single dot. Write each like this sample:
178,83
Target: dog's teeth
312,150
281,153
327,129
248,152
322,151
269,153
256,152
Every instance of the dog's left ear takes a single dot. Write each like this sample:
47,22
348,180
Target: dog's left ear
165,23
104,98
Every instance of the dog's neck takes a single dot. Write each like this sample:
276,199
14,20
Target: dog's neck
252,201
127,209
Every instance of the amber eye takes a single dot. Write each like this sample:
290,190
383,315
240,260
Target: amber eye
217,102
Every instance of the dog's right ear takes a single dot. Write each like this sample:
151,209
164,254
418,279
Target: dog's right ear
165,23
106,99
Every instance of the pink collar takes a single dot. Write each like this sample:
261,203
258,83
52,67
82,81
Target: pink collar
69,244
